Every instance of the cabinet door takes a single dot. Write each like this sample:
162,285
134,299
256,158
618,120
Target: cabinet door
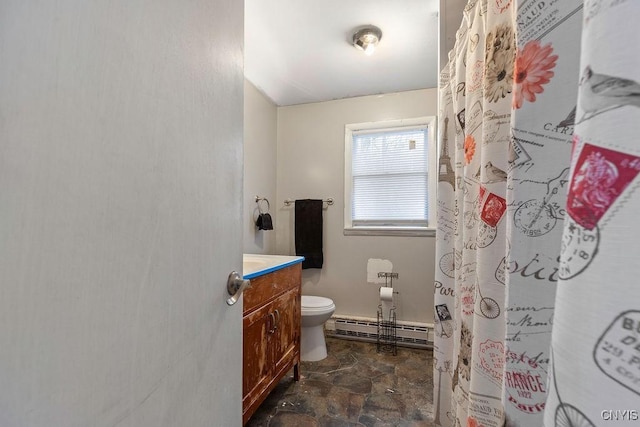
285,340
256,354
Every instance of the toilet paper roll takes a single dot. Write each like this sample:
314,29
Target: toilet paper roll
386,294
386,302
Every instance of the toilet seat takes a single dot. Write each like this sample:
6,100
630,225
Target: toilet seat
316,304
313,301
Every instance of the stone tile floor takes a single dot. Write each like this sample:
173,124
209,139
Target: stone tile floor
354,386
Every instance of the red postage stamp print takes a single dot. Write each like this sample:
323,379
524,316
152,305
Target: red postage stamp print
600,176
493,209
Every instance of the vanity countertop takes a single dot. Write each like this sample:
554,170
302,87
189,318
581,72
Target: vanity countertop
255,265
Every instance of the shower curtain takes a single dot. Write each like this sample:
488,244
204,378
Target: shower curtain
539,107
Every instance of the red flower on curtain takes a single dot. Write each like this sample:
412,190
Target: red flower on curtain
472,422
532,70
469,149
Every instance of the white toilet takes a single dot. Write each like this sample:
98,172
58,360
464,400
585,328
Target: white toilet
315,311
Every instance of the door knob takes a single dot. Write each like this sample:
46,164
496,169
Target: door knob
235,286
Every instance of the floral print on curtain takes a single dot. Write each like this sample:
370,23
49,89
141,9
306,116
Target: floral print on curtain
507,102
595,369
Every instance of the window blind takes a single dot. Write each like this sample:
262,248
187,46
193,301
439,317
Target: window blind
389,177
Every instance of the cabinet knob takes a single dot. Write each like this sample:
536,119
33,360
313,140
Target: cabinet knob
277,317
272,323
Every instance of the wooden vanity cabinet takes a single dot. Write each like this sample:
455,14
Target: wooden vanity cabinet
271,334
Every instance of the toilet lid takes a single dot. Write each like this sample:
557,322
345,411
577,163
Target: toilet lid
315,302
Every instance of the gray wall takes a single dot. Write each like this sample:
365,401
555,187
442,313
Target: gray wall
311,165
260,164
449,21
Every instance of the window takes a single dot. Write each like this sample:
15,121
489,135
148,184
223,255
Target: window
388,188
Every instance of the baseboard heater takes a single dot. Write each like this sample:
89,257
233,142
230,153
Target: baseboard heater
416,335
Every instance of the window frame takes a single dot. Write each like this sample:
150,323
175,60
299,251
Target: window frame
385,230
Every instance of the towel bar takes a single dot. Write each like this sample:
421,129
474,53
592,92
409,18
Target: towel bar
328,201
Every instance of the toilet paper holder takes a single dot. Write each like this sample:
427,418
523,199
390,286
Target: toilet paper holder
388,278
387,339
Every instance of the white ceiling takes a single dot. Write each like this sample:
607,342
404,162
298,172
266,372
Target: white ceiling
299,51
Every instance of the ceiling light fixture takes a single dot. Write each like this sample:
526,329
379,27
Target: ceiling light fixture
367,38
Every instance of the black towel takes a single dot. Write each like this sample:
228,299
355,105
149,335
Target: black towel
264,222
309,232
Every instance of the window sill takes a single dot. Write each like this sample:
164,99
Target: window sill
391,231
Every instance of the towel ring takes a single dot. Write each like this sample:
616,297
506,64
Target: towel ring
263,199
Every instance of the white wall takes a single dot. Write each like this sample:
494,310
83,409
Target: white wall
311,165
260,133
120,183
